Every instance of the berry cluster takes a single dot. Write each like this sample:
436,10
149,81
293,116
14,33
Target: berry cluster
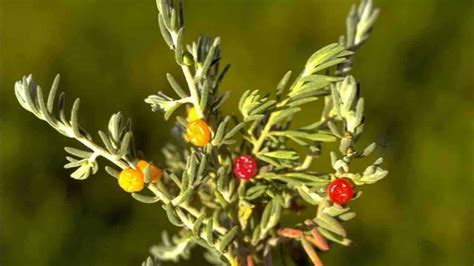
133,180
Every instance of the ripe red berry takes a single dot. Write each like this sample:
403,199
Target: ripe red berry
340,191
245,167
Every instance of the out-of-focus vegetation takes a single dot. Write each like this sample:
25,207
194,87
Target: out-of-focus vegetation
417,78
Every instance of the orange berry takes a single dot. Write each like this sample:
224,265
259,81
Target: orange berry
131,180
198,133
192,114
154,171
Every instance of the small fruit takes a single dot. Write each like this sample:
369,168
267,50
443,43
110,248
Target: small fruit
245,167
131,180
340,191
192,114
154,171
198,133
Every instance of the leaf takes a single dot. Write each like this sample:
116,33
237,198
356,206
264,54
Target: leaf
283,83
85,169
209,58
52,93
108,144
125,145
176,87
183,196
172,217
74,118
233,131
285,155
330,223
209,232
111,171
266,215
312,84
327,56
374,177
369,149
347,216
164,32
227,238
206,88
198,223
255,192
308,196
295,135
334,237
275,213
283,114
179,47
336,210
220,132
145,199
77,152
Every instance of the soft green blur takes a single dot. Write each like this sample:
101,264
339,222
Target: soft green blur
417,78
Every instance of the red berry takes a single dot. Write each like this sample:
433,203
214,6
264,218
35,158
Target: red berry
245,167
340,191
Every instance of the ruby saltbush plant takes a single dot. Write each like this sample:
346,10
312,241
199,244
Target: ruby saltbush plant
238,175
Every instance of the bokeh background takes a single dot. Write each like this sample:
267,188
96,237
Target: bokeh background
417,78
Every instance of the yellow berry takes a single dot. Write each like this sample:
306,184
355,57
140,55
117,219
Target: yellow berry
154,171
198,133
192,114
131,180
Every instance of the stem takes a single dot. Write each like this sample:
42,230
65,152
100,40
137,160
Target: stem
192,90
98,150
102,152
258,144
190,81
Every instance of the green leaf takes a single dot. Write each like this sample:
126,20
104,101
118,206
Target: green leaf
209,232
164,32
334,237
145,199
74,118
283,83
179,47
52,93
347,216
176,87
285,155
330,223
281,115
183,196
266,215
233,131
77,152
255,192
209,58
227,238
198,223
327,56
312,84
111,171
172,217
125,145
217,139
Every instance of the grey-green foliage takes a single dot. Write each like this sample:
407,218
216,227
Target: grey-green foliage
235,220
118,141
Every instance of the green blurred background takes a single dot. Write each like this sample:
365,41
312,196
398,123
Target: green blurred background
417,78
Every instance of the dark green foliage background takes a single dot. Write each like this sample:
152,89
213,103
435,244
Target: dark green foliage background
417,79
